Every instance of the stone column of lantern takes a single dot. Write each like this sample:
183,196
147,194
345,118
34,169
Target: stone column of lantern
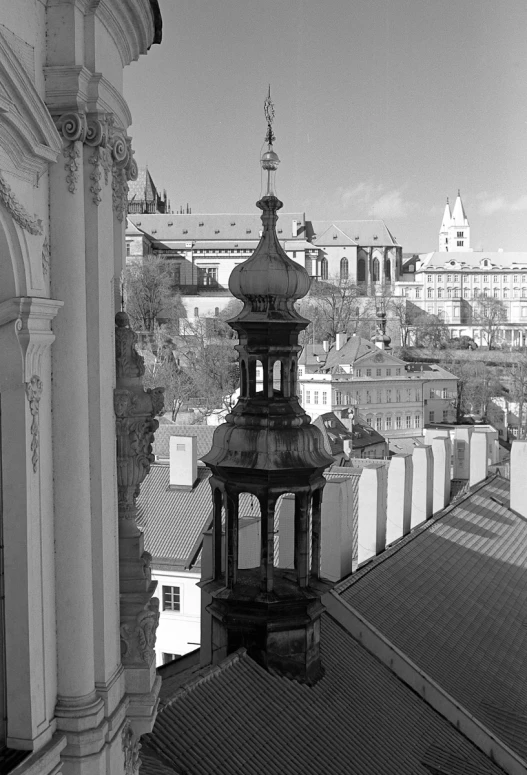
267,447
135,411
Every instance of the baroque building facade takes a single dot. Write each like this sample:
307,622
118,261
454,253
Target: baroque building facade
77,668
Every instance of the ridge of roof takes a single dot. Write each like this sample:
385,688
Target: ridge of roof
204,675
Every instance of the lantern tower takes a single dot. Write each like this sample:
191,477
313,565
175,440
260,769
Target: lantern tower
268,448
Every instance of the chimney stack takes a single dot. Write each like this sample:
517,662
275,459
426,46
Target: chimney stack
422,484
340,341
478,458
441,453
400,472
325,345
294,228
372,513
183,462
462,453
518,479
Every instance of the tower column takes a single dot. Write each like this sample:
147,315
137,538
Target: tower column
302,538
267,509
231,538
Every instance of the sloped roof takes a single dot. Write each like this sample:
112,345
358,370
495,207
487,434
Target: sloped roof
216,226
333,235
142,189
452,597
203,433
374,232
334,432
172,520
359,718
498,260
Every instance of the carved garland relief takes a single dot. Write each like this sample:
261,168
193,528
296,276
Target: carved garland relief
30,223
112,150
131,748
33,393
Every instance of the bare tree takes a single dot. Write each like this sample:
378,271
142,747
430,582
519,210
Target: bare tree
332,307
517,380
149,295
490,314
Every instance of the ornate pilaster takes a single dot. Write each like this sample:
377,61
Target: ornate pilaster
135,410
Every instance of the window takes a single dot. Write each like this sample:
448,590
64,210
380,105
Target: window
430,309
485,278
408,421
378,372
344,269
439,293
524,312
449,293
397,396
324,397
399,422
449,278
429,293
456,278
459,243
368,397
459,234
388,372
378,423
516,294
485,292
496,292
171,598
445,415
444,393
315,397
440,278
196,312
369,419
432,415
397,372
476,293
466,293
524,293
417,421
495,278
368,372
324,269
207,275
338,397
216,311
375,268
379,396
417,394
358,373
388,396
428,278
456,292
128,249
361,271
388,423
417,293
456,312
515,278
308,396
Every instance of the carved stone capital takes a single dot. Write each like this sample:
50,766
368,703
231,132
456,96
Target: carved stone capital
33,393
138,636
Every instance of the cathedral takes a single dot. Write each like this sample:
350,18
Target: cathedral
454,234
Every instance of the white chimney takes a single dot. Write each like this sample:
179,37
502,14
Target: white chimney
417,264
441,453
372,513
422,484
294,228
462,453
325,345
479,460
400,472
336,557
183,461
518,480
340,341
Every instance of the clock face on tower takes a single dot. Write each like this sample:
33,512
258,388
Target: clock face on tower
378,358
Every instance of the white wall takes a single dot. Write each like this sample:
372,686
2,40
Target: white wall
178,631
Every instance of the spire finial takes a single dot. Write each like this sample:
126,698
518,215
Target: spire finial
269,117
447,201
459,192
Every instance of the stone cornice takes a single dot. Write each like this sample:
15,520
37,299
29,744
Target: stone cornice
33,316
66,88
27,132
103,97
131,26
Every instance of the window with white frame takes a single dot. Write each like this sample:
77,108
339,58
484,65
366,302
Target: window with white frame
368,397
496,292
171,598
417,421
515,278
408,421
388,423
397,396
429,293
428,278
417,293
379,396
449,278
368,372
444,393
358,373
388,396
397,372
445,415
398,422
378,372
324,397
432,415
388,372
308,396
315,397
378,423
369,419
338,397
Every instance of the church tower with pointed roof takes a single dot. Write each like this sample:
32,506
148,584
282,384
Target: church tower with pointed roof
268,448
454,234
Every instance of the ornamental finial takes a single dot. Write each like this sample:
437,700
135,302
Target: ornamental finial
269,160
269,117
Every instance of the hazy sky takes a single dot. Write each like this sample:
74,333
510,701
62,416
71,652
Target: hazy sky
383,109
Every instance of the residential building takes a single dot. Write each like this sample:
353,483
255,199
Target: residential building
357,439
395,398
77,621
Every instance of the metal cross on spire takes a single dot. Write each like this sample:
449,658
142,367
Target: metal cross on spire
269,117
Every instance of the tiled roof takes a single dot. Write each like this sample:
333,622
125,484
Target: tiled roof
204,434
216,226
173,520
238,719
143,188
358,232
503,260
452,597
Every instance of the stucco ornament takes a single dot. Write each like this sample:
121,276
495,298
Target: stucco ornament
45,257
28,222
33,393
124,168
131,748
138,639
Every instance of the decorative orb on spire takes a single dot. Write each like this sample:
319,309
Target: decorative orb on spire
269,160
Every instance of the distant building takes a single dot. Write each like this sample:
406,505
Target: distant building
454,233
395,398
356,440
143,196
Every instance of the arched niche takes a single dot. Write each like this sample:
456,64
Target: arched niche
361,271
249,531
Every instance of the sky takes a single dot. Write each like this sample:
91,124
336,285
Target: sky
383,109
